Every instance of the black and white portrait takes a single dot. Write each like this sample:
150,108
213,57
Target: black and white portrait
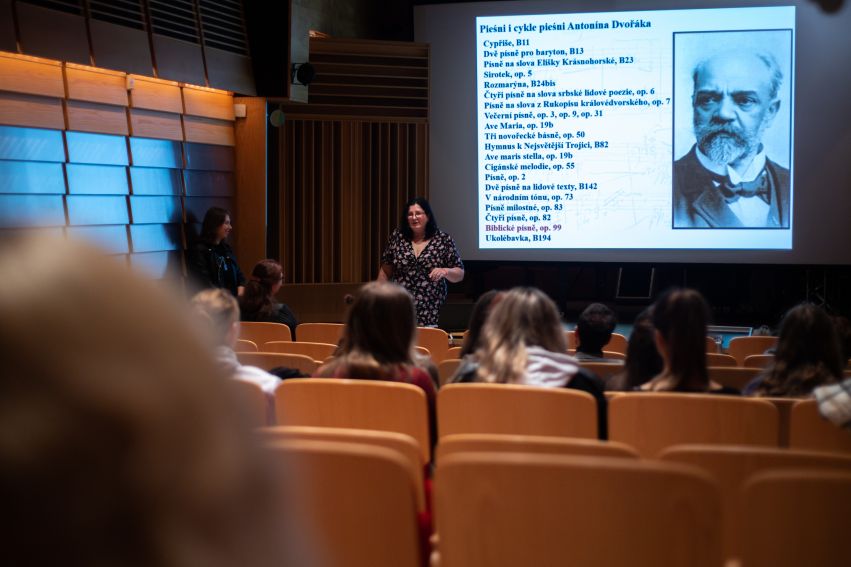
732,129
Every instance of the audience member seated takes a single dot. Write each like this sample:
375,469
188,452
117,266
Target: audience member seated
121,443
680,317
642,359
378,341
258,302
808,355
478,317
593,330
523,342
220,311
834,403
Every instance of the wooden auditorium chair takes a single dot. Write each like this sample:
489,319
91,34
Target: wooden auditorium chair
261,333
758,361
796,517
809,430
510,509
447,368
733,465
270,360
319,332
717,359
243,345
732,376
741,347
538,444
516,410
653,421
356,504
316,351
255,406
360,404
435,340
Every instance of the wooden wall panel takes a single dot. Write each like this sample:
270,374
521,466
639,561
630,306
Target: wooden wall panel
342,191
94,117
29,110
155,94
249,164
208,104
31,75
96,85
208,131
154,124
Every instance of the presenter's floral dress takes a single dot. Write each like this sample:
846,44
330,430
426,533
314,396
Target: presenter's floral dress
412,271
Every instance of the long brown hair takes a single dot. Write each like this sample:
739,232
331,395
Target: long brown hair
378,338
807,355
680,316
257,297
523,317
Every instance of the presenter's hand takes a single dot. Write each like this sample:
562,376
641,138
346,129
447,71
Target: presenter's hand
438,274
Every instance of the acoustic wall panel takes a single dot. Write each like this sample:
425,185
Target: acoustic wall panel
155,94
96,179
158,264
178,60
155,181
209,157
207,103
31,177
155,237
88,210
208,131
120,47
31,144
96,148
53,34
230,71
209,183
156,153
31,210
159,209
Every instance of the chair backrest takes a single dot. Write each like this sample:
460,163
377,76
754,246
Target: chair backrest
617,343
435,340
360,404
453,352
253,402
758,360
358,501
711,345
269,360
316,351
602,369
262,333
809,430
614,355
447,368
718,359
500,510
404,444
319,332
539,444
650,421
795,518
243,345
423,351
732,376
784,410
517,410
732,465
741,347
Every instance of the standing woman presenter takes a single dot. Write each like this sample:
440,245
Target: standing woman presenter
421,258
211,261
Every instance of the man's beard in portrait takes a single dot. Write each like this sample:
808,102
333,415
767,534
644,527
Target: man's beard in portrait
726,143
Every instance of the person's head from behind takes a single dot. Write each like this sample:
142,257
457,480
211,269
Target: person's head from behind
381,324
216,226
118,435
417,217
594,328
523,317
808,353
680,317
735,100
642,359
478,316
218,310
266,280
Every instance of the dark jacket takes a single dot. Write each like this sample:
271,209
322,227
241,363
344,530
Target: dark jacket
214,265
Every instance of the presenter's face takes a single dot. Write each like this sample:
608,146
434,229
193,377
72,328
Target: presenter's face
417,219
732,107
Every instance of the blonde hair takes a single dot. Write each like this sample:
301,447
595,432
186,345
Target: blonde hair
219,309
524,317
118,435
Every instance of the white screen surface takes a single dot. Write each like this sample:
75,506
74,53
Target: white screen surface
576,127
812,93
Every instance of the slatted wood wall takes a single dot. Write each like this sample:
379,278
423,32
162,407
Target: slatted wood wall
128,162
351,157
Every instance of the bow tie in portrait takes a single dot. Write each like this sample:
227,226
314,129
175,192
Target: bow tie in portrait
759,187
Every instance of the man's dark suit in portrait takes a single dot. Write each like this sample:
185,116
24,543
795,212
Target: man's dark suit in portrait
726,180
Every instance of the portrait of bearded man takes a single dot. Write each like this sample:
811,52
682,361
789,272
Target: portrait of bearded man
726,180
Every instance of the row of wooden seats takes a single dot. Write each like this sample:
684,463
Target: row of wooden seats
648,422
511,500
